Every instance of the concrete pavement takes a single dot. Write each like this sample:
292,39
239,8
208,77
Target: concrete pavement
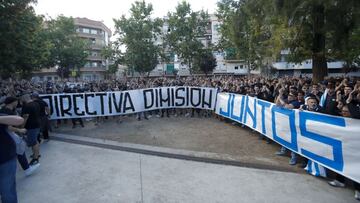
78,173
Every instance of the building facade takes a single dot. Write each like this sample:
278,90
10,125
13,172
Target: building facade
98,35
335,68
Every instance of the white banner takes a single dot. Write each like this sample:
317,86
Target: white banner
331,141
76,105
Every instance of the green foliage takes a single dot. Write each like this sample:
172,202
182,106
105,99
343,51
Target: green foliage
69,51
138,34
320,30
245,30
205,61
23,48
184,29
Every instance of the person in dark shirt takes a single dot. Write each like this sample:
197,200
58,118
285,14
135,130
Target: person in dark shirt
44,112
9,109
74,120
353,102
31,114
291,102
330,104
8,159
315,91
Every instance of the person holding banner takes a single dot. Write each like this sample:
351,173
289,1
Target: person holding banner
312,104
340,179
291,102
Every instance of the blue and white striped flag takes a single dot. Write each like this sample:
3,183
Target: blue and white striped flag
323,98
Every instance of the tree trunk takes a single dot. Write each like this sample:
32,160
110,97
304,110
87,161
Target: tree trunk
249,67
190,68
319,64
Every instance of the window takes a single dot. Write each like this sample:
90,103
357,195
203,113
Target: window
86,30
55,78
49,78
94,64
93,40
236,67
87,65
94,53
241,66
94,32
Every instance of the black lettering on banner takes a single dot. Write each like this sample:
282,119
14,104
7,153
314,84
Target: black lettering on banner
156,98
76,108
187,96
101,95
62,109
126,101
192,94
50,102
87,104
167,99
117,105
178,97
204,99
172,97
57,106
109,102
146,106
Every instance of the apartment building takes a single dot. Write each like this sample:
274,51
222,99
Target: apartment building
98,36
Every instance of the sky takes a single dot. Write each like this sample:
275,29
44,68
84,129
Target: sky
106,10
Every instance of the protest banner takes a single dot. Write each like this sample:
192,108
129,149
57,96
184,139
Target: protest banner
94,104
328,140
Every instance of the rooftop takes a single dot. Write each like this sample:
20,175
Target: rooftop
92,23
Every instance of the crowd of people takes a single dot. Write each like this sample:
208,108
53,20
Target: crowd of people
335,96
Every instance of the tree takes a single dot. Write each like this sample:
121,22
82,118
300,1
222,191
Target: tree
23,47
113,53
185,27
69,51
320,30
245,31
323,30
205,61
138,33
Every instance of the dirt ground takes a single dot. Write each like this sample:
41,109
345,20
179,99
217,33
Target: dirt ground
196,134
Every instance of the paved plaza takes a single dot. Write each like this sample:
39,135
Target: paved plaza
82,173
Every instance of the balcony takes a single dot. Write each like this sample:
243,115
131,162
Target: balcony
97,45
95,58
93,69
88,35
